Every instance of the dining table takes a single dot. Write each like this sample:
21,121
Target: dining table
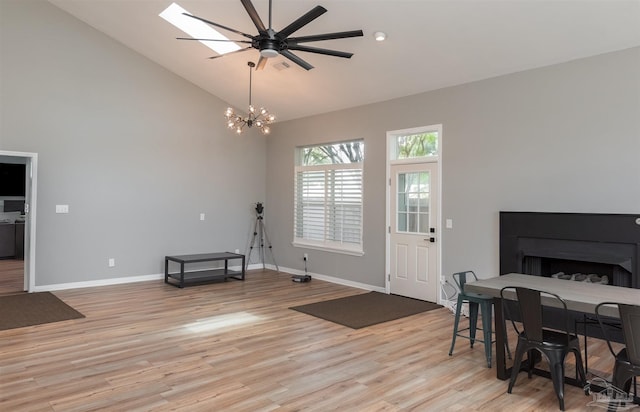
579,297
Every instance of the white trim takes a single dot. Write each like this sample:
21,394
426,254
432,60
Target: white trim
30,236
332,279
332,166
427,159
101,282
160,276
415,160
337,249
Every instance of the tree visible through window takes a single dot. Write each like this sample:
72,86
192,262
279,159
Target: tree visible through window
328,197
416,145
349,152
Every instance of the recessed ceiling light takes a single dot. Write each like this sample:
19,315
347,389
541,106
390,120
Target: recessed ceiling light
198,29
379,36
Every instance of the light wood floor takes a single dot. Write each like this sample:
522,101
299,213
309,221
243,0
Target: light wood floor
11,276
236,346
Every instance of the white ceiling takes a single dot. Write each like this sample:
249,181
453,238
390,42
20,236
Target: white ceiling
431,44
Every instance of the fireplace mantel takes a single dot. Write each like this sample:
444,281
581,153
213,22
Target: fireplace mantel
609,238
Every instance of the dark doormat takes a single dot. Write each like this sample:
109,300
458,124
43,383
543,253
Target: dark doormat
367,309
28,309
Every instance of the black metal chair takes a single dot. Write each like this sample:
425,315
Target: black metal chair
554,345
476,301
627,360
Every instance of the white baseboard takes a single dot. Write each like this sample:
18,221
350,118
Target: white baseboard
101,282
160,276
331,279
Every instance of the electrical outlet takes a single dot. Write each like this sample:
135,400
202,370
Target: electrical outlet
201,216
237,250
443,280
62,208
112,262
306,256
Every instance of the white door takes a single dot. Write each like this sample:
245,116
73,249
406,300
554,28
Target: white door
414,231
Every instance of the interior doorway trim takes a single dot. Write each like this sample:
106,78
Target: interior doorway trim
31,161
391,136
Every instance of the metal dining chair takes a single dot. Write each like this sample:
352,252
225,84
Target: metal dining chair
553,344
627,360
475,301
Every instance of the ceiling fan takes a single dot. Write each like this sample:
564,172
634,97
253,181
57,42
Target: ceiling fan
271,43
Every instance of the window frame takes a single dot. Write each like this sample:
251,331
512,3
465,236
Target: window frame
328,245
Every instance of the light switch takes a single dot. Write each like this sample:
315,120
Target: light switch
62,208
449,223
201,216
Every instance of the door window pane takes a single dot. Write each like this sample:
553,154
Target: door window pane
402,202
412,214
402,222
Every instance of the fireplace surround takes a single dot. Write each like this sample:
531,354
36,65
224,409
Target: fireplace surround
544,244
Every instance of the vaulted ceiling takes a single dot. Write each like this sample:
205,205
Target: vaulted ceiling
430,44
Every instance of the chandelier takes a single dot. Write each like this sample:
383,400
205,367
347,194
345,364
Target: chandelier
259,118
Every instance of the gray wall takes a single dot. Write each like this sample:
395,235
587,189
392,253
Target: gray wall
565,138
136,152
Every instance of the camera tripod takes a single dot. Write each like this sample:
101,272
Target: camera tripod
260,235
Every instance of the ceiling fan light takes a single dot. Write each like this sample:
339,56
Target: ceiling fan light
379,36
268,53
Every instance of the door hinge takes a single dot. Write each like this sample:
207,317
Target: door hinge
389,229
389,181
389,277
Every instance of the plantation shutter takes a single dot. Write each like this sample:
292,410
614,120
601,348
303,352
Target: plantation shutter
328,206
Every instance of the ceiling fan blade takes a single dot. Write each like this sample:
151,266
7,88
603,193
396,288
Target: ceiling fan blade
237,51
321,51
220,26
233,41
327,36
261,63
302,21
254,15
297,60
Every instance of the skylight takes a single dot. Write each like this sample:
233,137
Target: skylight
197,29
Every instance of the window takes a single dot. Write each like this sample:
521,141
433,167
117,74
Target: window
328,197
197,29
409,146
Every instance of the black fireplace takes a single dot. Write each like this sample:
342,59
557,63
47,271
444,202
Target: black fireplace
604,248
579,246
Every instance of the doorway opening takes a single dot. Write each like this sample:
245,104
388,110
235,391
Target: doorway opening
17,221
413,206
